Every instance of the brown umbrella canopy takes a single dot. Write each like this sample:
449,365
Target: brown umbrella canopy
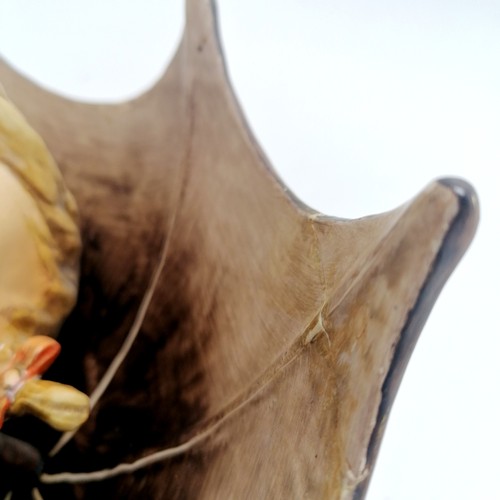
235,343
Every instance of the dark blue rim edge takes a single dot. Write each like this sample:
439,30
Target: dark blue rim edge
454,245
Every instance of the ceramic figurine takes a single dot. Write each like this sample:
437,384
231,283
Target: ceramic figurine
39,260
235,342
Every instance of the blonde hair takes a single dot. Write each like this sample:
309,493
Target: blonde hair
58,241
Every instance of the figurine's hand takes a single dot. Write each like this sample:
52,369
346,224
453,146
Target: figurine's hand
61,406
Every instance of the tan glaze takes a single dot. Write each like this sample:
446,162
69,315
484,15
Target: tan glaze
275,337
39,259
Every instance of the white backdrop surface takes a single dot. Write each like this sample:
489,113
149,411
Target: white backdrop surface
358,106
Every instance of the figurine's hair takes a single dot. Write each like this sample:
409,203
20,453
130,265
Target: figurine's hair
58,242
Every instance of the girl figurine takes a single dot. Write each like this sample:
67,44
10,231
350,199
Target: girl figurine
39,259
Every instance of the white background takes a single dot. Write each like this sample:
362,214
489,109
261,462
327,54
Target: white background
358,104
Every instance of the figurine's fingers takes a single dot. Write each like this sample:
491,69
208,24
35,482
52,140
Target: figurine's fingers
61,406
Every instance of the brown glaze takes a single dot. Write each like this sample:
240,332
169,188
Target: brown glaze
272,331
